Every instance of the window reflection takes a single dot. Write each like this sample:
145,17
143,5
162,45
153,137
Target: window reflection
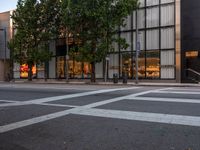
127,64
152,64
60,67
79,69
141,65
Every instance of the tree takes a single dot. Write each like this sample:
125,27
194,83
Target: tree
35,23
94,23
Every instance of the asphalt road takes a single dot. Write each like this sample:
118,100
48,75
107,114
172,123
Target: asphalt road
91,117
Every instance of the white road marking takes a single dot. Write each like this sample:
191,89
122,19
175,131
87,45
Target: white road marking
175,92
32,121
185,89
55,98
117,114
9,101
115,99
142,116
18,103
57,105
156,99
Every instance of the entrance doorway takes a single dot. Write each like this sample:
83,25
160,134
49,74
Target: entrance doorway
192,65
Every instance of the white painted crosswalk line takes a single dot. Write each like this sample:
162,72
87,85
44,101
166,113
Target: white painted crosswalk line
185,89
115,114
55,98
9,101
157,99
142,116
175,92
32,121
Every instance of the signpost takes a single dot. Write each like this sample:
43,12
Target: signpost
137,47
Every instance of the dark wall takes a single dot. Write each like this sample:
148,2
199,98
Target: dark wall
190,33
190,24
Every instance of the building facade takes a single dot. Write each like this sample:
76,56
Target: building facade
169,45
5,36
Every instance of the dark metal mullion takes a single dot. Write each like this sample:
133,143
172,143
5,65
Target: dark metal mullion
132,49
159,4
160,38
119,54
145,40
175,75
149,28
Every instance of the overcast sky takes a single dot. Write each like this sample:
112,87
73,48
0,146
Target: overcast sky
6,5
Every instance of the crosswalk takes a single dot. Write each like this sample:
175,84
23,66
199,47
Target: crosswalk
97,109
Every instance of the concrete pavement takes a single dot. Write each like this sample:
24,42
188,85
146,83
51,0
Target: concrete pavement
109,82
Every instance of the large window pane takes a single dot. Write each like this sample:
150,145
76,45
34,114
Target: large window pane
152,64
60,67
99,70
141,65
167,73
167,15
167,58
16,70
152,2
113,65
126,65
166,1
152,39
142,3
127,24
167,38
52,68
79,69
141,18
152,17
41,70
127,36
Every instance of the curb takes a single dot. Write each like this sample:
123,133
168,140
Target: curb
106,84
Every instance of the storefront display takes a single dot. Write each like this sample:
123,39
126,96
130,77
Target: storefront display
24,71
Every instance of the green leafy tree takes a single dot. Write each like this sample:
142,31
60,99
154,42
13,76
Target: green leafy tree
94,24
35,23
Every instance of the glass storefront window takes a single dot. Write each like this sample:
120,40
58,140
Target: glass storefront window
16,70
141,65
152,64
79,69
24,71
40,70
60,67
126,65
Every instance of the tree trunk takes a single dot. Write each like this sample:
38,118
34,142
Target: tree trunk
93,77
30,65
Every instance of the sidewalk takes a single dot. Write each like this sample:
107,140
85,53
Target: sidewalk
101,82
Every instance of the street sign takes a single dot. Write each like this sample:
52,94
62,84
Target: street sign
107,58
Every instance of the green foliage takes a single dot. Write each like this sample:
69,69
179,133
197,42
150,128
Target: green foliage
35,23
94,23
